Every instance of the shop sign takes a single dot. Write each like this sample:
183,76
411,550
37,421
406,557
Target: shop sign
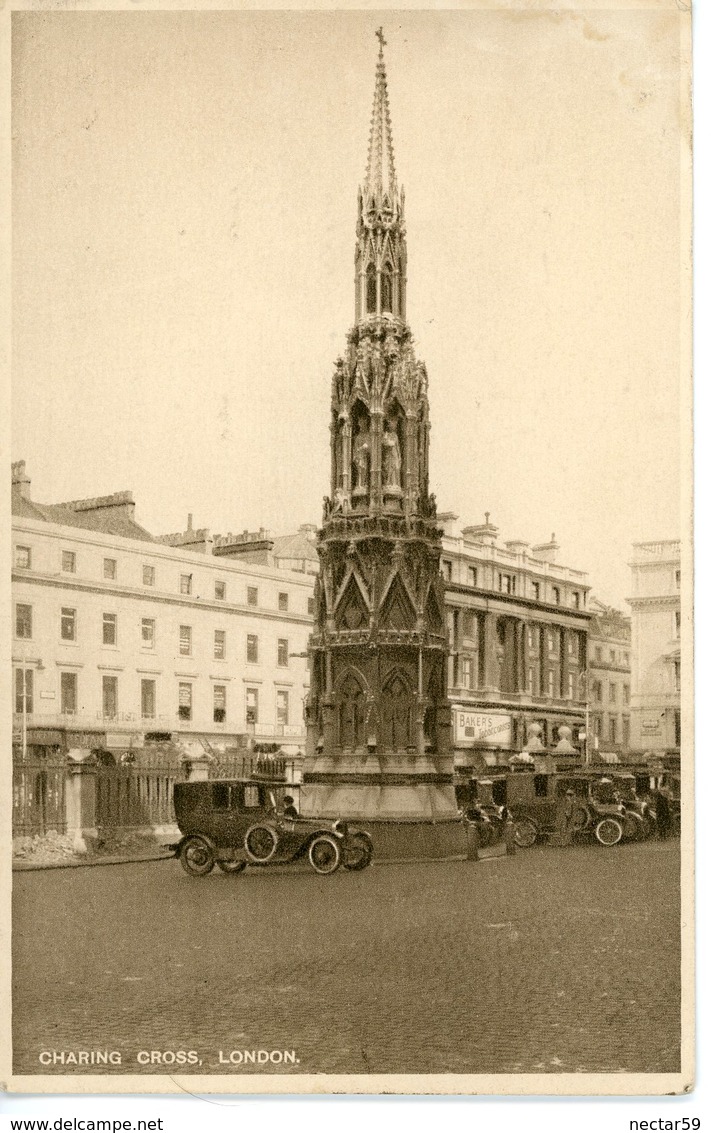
84,739
651,727
124,739
489,729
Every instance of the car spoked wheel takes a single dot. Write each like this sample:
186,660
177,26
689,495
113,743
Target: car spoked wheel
525,833
260,842
579,819
357,852
609,831
232,867
325,854
196,857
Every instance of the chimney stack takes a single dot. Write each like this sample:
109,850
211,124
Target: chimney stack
20,480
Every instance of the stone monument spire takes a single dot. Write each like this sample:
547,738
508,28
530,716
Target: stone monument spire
378,717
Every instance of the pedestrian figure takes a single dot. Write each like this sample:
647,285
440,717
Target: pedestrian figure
664,819
564,817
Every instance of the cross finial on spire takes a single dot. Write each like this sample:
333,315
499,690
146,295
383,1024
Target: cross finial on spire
381,39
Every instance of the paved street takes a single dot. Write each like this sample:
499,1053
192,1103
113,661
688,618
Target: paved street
555,960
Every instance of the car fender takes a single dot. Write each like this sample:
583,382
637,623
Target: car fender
176,847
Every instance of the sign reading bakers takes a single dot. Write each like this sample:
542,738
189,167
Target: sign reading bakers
492,729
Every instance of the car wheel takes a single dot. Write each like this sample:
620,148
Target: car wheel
357,852
525,833
261,842
608,831
325,854
232,867
579,819
196,857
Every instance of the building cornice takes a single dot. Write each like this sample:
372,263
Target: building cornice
489,596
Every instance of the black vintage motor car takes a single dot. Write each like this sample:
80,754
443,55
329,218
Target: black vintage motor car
233,823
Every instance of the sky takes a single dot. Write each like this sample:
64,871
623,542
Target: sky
184,204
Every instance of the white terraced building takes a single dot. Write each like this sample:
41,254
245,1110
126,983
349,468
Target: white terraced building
121,639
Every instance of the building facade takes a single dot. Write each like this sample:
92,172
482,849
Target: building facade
655,602
121,640
518,625
609,680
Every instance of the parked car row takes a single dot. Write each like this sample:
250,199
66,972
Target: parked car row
611,806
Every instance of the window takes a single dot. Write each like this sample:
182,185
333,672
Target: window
613,656
473,575
282,706
551,677
551,641
149,575
530,637
23,558
185,701
148,700
68,693
252,701
148,633
23,620
507,583
109,697
186,584
109,629
612,730
536,588
572,644
626,731
447,570
677,676
252,648
597,691
252,596
576,599
677,623
68,624
530,681
69,561
613,693
282,652
571,686
467,672
219,703
625,694
110,568
185,641
220,646
677,578
598,653
311,606
24,685
220,591
283,602
556,596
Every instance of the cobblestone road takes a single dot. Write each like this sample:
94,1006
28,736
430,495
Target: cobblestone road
555,960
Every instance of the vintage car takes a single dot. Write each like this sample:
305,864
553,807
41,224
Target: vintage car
233,823
537,801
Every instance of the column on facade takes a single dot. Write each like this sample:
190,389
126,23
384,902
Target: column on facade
564,662
521,630
489,645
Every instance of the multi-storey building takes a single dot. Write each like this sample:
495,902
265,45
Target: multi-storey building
656,646
120,639
518,625
609,680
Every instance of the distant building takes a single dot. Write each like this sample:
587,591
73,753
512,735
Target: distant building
518,628
609,679
121,639
656,646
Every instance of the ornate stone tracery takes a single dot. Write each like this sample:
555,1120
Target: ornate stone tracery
378,707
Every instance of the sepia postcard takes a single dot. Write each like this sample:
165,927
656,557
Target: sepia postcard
348,712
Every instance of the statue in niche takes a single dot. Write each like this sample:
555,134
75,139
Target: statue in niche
361,458
392,462
338,440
